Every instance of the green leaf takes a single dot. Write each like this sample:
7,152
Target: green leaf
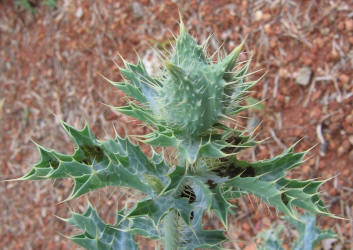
265,179
275,168
229,61
187,52
254,104
201,198
141,225
188,195
220,206
266,191
309,234
206,188
270,239
236,141
130,90
208,198
139,77
303,194
138,113
133,159
160,206
195,236
160,139
97,164
177,176
216,145
96,235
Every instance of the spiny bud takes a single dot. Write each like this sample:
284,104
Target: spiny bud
193,95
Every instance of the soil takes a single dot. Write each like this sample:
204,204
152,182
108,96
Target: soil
51,64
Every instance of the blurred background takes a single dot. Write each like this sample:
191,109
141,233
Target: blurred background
53,52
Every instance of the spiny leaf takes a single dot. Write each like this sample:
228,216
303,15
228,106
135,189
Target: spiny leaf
187,51
214,145
96,235
138,113
229,61
138,75
139,78
206,190
98,164
269,170
129,89
270,239
309,234
220,206
254,104
265,179
303,194
195,236
265,190
160,206
141,225
185,194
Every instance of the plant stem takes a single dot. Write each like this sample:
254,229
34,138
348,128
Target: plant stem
171,233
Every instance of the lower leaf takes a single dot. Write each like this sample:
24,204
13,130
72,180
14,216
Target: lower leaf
96,235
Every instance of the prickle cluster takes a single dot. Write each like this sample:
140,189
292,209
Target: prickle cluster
189,99
193,95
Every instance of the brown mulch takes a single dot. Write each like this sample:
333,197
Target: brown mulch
50,66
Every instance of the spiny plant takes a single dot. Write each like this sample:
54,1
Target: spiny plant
187,107
309,234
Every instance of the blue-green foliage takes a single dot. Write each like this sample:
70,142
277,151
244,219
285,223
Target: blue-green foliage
187,102
309,234
185,108
97,235
96,164
271,240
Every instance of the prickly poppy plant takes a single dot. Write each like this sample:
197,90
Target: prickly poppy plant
186,108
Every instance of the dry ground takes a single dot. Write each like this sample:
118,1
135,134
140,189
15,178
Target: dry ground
50,64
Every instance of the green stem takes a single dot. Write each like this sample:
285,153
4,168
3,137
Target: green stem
171,233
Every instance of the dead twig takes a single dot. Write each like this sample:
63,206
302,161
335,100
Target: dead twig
276,139
311,27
